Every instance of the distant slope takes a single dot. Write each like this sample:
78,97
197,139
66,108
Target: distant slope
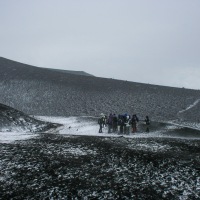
41,91
11,69
82,73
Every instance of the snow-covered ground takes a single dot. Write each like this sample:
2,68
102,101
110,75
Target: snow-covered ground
8,137
88,126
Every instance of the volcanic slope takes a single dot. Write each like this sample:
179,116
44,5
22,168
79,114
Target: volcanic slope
41,91
11,69
12,120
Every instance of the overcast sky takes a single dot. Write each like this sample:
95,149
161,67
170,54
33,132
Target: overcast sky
148,41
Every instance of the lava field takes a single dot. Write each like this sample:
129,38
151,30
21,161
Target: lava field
53,166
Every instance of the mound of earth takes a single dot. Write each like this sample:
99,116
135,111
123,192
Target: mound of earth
14,120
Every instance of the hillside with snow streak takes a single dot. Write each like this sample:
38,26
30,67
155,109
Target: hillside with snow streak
55,93
191,112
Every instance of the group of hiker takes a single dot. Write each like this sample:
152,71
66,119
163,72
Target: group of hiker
123,124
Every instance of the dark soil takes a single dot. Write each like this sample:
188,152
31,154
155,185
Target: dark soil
82,167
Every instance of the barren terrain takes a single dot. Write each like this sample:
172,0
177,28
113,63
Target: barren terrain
79,163
87,167
39,91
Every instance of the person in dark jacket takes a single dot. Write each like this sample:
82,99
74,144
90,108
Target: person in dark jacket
110,123
115,123
101,122
147,122
120,124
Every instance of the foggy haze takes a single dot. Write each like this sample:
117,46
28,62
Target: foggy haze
143,41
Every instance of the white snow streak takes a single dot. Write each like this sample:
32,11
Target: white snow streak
190,106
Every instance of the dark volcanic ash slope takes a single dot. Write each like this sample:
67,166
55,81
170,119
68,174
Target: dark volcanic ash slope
82,73
12,69
47,92
14,120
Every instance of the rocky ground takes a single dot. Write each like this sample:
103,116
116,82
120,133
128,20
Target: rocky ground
54,166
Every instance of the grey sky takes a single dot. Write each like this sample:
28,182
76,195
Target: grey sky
149,41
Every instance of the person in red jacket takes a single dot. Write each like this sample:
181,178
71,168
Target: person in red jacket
134,121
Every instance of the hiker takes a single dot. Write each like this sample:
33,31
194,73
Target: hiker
115,123
110,123
100,122
105,121
120,123
147,121
134,121
126,119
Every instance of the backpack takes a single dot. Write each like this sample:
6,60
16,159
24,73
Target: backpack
147,121
101,120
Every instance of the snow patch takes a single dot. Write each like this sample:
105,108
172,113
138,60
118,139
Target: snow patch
153,147
177,124
8,137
